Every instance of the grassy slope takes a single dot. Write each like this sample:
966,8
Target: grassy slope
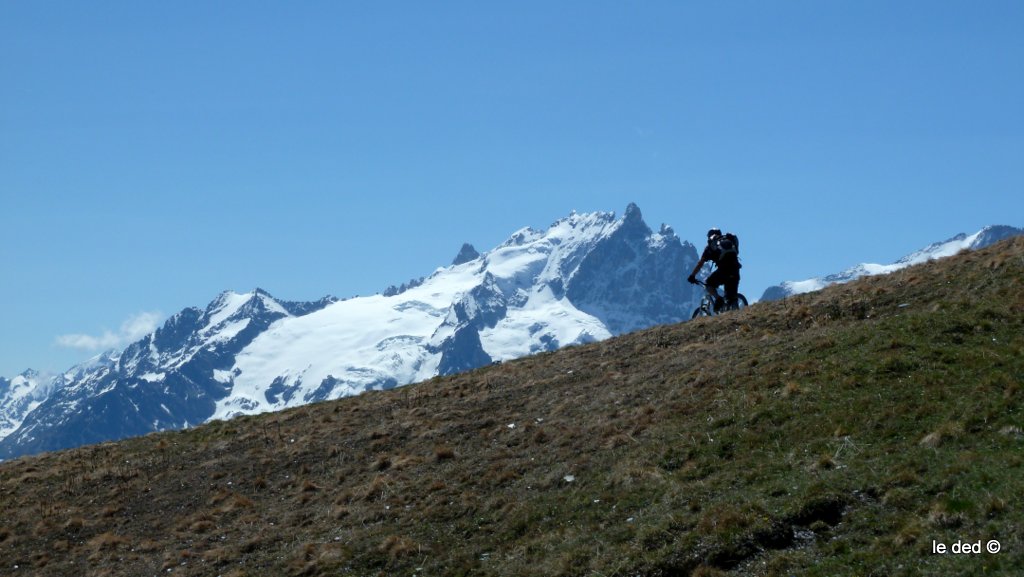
837,433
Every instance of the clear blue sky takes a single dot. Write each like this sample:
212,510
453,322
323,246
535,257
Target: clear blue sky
153,154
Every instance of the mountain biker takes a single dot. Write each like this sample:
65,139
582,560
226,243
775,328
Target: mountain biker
723,250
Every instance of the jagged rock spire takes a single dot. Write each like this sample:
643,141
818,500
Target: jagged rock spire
466,254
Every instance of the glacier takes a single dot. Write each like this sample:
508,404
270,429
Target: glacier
585,278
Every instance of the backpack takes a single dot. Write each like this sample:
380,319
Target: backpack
727,244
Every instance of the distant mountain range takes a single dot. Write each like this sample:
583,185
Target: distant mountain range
586,278
982,238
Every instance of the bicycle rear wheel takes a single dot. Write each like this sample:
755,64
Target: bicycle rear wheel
741,302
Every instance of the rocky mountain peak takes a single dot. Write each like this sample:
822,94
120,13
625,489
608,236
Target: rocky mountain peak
466,254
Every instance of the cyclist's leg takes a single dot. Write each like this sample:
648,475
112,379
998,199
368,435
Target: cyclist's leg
715,280
732,288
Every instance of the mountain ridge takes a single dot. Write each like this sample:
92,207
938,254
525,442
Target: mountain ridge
234,320
587,277
985,237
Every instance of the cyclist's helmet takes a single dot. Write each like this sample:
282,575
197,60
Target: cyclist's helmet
713,233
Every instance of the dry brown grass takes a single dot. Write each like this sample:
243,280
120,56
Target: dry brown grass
685,449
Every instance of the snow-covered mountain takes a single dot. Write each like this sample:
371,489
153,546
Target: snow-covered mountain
587,277
982,238
20,396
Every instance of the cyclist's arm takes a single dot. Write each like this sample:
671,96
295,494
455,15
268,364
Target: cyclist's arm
696,269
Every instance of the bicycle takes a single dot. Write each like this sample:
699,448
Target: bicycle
707,306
